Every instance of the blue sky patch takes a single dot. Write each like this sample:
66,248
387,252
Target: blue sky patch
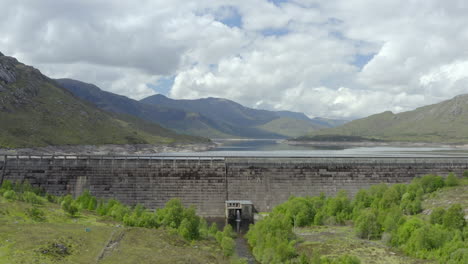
274,32
278,2
360,60
163,86
233,19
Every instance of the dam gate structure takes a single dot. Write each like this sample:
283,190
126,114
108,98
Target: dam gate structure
209,182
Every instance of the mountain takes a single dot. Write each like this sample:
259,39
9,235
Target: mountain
208,117
242,120
36,111
443,122
177,119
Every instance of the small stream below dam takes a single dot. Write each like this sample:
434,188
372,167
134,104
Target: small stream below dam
240,227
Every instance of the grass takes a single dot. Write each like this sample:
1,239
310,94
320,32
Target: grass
333,241
90,238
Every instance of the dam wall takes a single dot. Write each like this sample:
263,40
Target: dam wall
207,182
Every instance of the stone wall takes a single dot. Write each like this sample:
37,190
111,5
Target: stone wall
151,182
268,182
207,183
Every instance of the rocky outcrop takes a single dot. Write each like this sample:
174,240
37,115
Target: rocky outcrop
7,73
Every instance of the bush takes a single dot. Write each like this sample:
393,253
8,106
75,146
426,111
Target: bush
213,229
228,246
426,238
69,206
7,185
367,226
272,239
454,218
35,214
172,213
51,198
451,180
465,174
32,198
437,216
406,229
10,195
430,183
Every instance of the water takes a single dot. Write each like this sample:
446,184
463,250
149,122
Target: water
278,148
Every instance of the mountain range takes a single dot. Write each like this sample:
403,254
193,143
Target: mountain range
36,111
207,117
446,121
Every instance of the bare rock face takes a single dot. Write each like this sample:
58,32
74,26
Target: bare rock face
7,74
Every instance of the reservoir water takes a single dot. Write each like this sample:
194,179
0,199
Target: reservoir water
279,148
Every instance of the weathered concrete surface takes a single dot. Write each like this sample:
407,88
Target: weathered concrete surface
208,183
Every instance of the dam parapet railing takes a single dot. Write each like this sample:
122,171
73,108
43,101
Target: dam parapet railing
256,159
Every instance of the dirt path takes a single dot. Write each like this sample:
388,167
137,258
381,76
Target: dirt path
112,244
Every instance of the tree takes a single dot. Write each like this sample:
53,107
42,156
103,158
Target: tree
367,226
455,217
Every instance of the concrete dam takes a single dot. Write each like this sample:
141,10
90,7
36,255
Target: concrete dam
208,182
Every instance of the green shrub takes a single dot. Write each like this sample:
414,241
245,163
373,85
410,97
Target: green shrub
367,226
437,216
426,238
465,174
451,180
69,206
455,217
172,213
430,183
10,195
36,214
228,246
7,185
92,204
272,239
203,228
406,229
213,229
392,220
32,198
390,198
51,198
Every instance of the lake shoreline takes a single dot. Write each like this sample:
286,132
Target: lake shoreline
375,144
111,149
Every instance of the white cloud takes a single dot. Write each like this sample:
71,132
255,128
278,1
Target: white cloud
299,55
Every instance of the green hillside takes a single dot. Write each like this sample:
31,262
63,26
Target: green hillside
34,111
443,122
37,228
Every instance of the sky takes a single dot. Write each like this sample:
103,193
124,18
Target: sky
335,58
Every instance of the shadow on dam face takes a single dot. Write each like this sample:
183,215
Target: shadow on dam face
207,183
